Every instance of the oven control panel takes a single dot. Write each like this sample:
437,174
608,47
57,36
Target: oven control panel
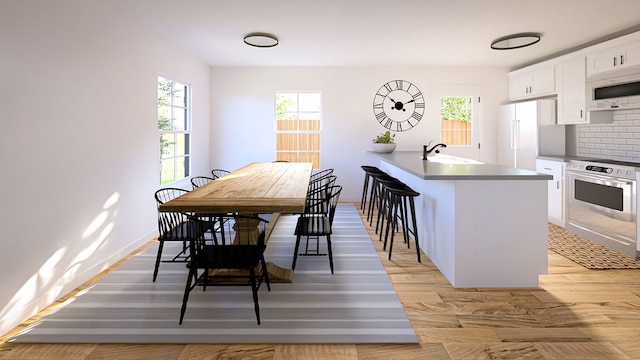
615,169
600,169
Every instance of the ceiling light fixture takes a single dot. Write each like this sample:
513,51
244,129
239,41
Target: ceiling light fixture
515,41
261,40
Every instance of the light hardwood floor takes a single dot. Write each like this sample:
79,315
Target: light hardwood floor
576,313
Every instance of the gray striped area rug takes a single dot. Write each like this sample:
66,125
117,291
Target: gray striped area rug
357,304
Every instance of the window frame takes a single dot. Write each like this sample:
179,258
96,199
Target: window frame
298,151
181,160
471,151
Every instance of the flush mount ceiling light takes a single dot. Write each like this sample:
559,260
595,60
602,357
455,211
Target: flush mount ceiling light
515,41
261,40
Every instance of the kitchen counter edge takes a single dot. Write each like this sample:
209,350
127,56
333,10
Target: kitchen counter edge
412,162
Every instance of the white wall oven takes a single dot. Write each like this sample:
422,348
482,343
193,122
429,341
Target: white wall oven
602,203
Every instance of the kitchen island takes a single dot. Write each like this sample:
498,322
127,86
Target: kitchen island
482,225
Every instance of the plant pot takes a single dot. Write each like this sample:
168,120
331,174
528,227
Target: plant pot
383,148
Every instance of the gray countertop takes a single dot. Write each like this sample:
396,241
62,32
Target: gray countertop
453,168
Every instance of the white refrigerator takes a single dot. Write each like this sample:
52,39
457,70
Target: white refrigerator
528,129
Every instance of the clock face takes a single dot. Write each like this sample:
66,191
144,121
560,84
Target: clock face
398,105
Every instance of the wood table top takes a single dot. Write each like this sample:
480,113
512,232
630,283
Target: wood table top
259,188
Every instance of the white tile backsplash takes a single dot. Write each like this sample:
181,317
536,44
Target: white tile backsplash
618,140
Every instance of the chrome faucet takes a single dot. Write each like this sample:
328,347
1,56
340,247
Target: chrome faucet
426,151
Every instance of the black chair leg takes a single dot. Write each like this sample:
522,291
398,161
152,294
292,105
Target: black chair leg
158,257
265,273
415,227
254,289
187,290
330,252
365,187
393,213
295,253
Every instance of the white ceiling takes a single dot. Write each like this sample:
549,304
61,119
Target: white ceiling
380,33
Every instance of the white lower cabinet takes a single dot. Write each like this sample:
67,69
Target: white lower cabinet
556,188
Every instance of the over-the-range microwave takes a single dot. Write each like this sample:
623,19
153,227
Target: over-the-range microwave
619,89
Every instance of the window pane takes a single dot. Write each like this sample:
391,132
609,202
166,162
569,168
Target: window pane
286,141
456,113
180,168
312,157
309,102
309,142
311,124
164,90
180,117
179,95
180,148
167,145
164,117
167,171
286,156
286,124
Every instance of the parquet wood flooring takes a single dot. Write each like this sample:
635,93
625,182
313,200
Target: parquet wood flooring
576,313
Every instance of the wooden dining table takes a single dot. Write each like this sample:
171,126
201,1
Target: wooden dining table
256,188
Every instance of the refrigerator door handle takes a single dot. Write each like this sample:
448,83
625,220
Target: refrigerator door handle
515,134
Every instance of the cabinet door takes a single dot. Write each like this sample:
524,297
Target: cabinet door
570,81
543,82
613,59
632,54
602,61
531,84
555,188
519,86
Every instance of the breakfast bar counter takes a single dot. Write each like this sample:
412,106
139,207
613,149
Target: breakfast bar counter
482,225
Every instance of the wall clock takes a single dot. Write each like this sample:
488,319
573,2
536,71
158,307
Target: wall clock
398,105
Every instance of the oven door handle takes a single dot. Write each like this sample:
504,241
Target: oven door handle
579,175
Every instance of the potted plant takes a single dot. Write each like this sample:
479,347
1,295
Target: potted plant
384,143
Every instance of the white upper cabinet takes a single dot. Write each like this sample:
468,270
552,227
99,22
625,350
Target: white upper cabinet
570,84
613,58
531,84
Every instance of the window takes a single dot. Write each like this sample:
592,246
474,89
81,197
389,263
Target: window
456,114
298,124
174,125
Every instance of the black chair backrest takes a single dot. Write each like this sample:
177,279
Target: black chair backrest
318,193
320,175
198,181
228,249
172,225
166,194
216,173
334,197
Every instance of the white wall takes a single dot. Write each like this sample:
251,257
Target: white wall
79,148
242,111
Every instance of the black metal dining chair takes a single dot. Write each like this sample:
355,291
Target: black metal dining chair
172,226
316,222
226,258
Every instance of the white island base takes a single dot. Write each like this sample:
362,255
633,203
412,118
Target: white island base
482,233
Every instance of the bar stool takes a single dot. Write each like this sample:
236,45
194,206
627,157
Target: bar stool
369,171
383,181
398,196
376,198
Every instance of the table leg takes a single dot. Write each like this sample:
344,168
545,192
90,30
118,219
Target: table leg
247,228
